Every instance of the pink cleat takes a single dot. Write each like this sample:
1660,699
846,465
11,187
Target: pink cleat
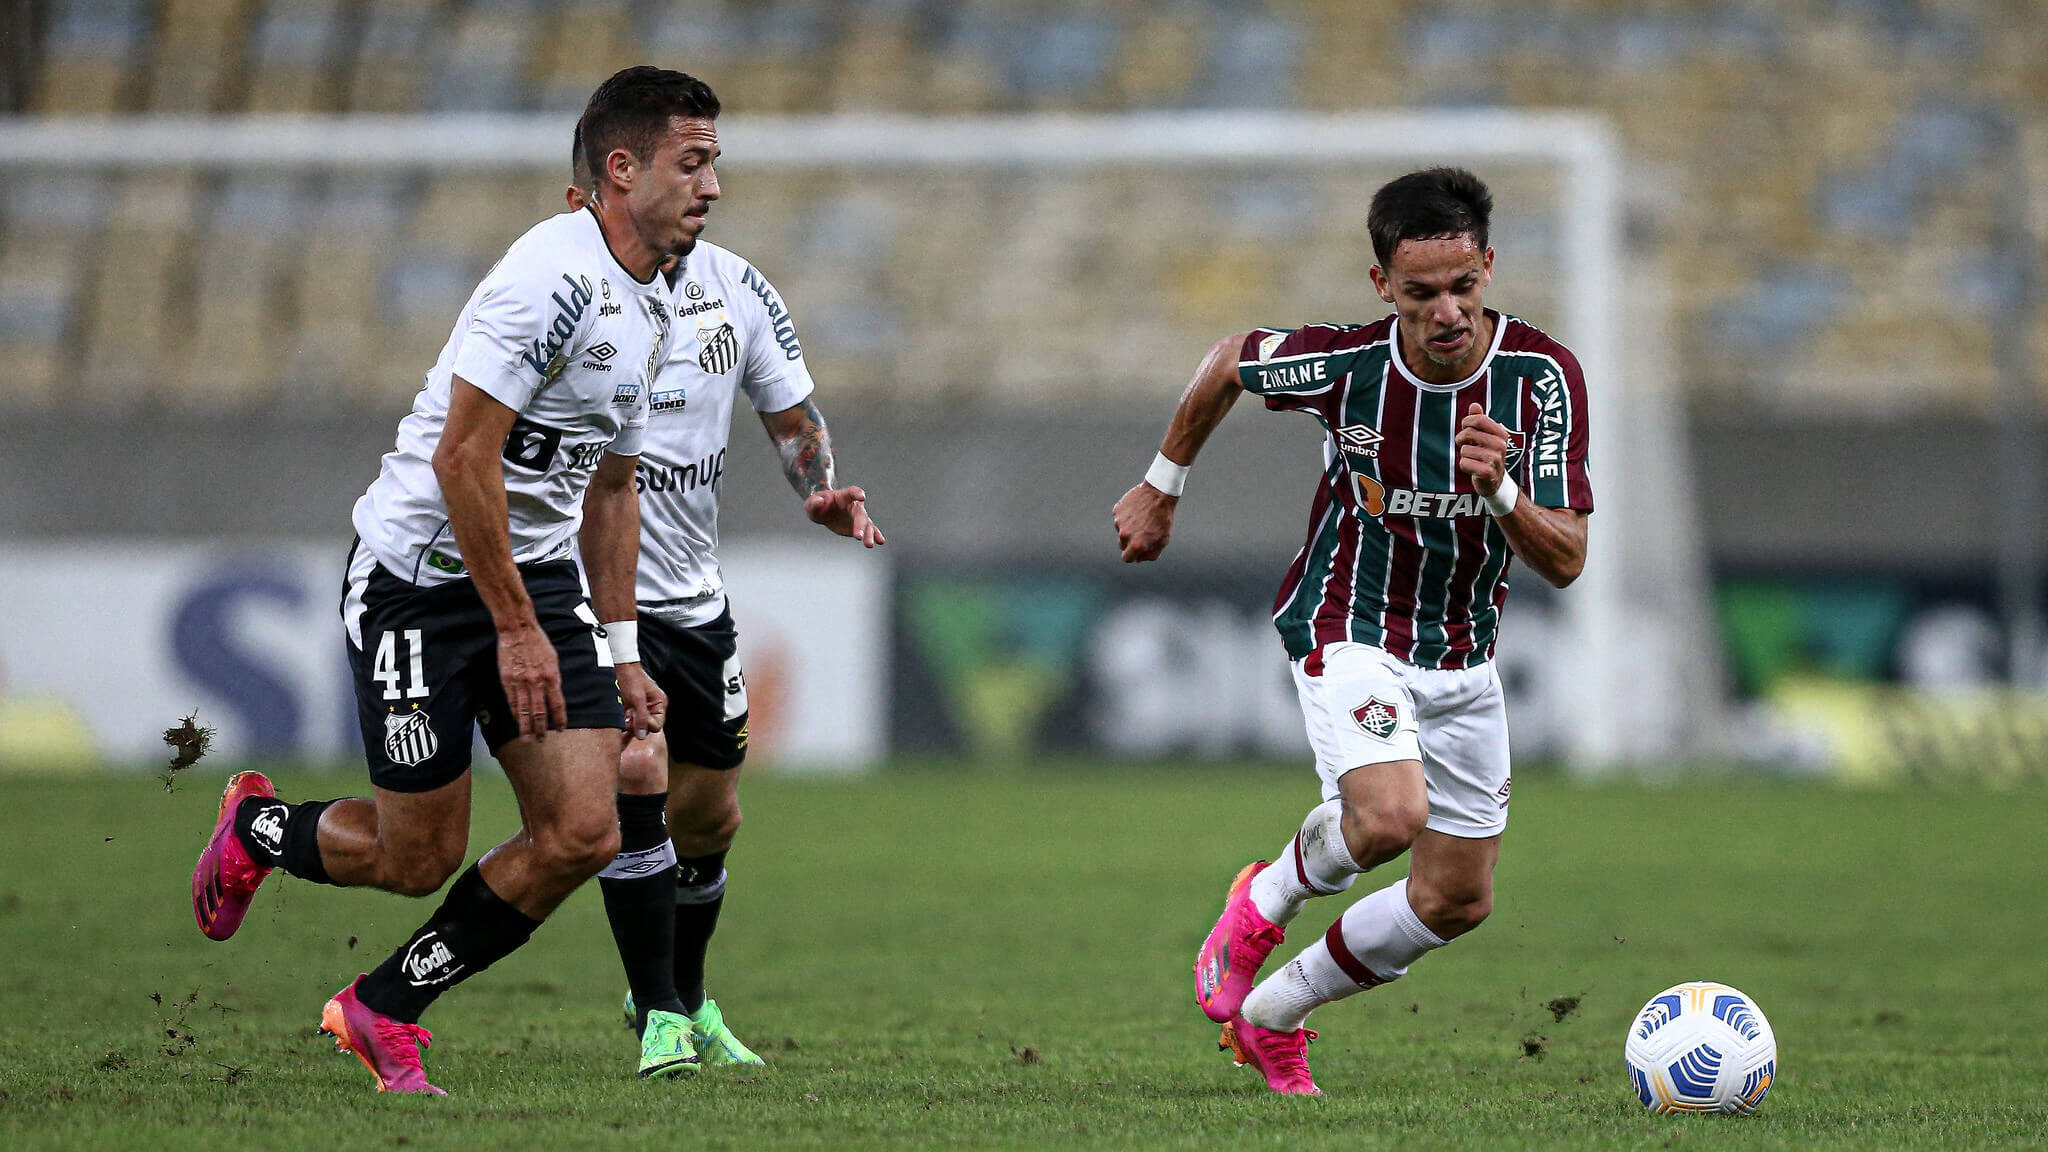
1281,1057
393,1051
1239,944
226,879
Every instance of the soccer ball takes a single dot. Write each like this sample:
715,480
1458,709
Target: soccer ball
1701,1047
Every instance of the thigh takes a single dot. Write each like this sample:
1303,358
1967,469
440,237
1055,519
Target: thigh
567,781
425,826
699,668
590,686
1359,712
415,655
1452,870
1464,742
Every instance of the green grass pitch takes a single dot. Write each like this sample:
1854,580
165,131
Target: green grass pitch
1000,959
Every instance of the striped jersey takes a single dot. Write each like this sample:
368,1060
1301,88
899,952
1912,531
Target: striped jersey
1401,552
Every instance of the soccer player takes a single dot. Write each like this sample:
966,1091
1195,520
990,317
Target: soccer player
463,607
1456,437
678,789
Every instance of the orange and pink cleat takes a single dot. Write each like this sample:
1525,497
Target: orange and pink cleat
226,879
1236,948
1281,1057
394,1051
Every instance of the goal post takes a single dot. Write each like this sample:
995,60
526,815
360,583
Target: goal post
1582,151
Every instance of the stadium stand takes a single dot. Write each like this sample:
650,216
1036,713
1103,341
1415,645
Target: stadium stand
1828,165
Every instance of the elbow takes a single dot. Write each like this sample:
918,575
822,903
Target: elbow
1565,571
448,461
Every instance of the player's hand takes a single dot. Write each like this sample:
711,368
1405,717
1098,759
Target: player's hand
646,704
1144,522
845,511
1482,450
532,677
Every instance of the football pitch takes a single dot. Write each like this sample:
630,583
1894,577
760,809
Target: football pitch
963,958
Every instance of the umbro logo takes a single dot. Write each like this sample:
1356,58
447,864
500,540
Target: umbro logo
601,351
1359,440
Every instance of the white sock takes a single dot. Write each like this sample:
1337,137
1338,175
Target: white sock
1318,854
1373,943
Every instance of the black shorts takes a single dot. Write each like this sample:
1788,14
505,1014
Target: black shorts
699,668
427,670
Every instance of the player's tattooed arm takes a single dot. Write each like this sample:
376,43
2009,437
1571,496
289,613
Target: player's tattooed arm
805,445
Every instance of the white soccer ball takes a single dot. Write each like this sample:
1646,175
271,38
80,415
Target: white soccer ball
1701,1047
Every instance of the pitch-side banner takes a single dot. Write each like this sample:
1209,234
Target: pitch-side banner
104,645
1142,662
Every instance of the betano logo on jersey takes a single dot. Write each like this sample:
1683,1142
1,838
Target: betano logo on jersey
1378,500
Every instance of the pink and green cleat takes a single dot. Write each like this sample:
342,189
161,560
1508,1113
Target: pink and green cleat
394,1051
1236,948
226,879
1281,1057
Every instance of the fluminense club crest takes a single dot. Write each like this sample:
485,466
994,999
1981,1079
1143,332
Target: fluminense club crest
1377,718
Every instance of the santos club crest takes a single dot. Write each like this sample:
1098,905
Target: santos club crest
409,739
1377,717
718,349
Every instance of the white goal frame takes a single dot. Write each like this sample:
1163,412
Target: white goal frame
1584,148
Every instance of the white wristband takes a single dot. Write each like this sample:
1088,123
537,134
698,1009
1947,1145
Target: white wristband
1502,502
623,637
1167,476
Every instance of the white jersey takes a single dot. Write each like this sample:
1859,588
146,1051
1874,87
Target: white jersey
732,333
562,335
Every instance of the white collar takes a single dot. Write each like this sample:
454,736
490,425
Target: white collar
1500,328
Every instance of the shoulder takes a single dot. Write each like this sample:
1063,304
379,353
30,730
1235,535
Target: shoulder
1266,345
556,248
1519,337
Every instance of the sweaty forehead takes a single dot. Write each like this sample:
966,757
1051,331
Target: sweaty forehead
685,132
1438,259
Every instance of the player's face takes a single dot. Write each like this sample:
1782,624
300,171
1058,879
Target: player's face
676,187
1434,286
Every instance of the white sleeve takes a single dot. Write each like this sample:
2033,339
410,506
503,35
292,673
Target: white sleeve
774,376
632,431
528,311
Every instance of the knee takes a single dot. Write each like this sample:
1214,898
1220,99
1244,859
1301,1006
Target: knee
423,874
643,768
1379,832
704,829
579,848
1451,913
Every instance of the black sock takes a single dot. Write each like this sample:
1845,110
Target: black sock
473,929
700,891
281,835
639,900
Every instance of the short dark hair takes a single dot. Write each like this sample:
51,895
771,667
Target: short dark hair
1428,205
632,110
579,164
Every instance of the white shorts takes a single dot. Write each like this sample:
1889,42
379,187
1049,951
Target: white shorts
1367,707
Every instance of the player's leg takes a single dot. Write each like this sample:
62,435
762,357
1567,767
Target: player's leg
1357,711
639,886
707,742
1461,783
415,654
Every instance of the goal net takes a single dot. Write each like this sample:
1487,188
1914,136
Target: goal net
1012,264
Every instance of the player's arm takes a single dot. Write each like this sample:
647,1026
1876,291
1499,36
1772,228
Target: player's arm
1550,540
1144,517
467,464
805,445
610,543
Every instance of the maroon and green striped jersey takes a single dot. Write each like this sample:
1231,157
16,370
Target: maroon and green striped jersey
1401,552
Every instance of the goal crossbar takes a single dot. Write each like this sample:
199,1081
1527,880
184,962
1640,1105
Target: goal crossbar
1584,147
